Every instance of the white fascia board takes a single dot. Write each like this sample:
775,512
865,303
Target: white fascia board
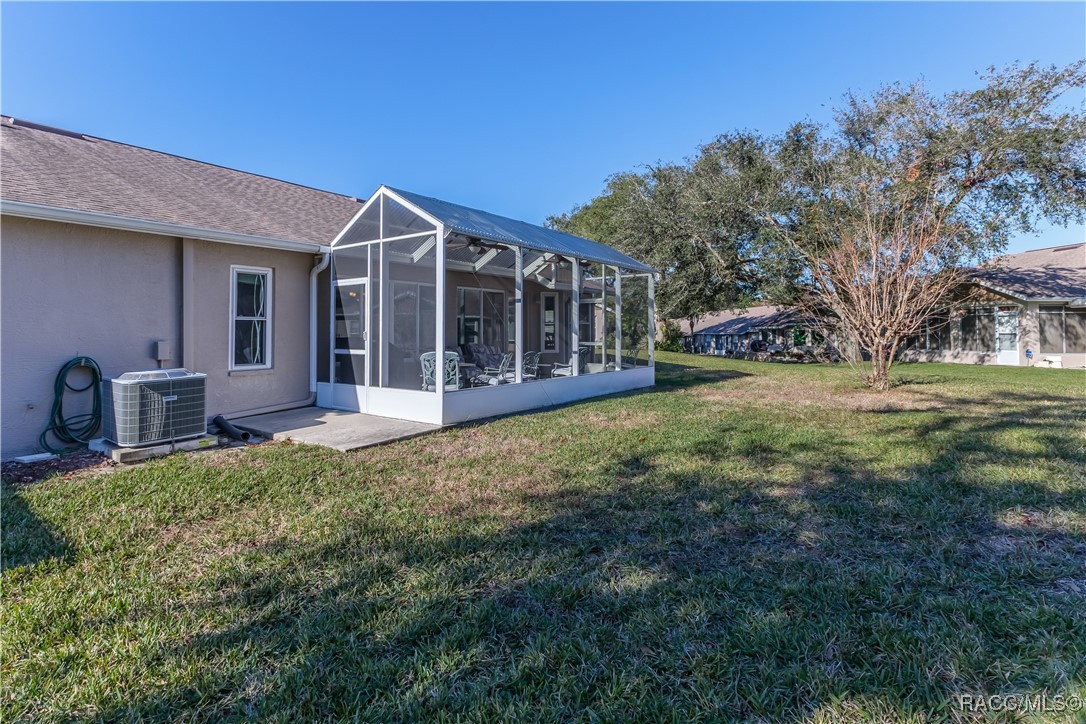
146,226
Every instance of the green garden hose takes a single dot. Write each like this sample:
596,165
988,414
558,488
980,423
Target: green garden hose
76,429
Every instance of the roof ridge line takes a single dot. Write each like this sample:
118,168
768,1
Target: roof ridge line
16,122
1044,248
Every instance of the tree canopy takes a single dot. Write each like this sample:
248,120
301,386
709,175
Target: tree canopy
886,204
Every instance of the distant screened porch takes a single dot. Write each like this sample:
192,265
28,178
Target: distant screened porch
524,316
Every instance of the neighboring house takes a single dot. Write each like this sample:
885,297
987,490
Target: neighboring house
286,295
1032,303
737,331
1019,309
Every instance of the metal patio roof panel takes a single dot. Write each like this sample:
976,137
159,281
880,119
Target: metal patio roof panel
492,227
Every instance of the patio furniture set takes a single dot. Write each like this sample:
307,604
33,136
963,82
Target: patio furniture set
477,365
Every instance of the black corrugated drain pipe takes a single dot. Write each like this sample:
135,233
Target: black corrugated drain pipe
223,424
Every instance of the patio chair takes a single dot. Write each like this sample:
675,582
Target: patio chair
497,375
428,360
530,366
580,359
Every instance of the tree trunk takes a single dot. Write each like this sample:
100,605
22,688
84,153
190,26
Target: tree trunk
880,367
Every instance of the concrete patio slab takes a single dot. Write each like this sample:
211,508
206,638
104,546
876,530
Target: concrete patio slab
332,428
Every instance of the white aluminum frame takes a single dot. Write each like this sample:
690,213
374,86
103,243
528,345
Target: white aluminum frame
618,318
354,281
268,315
418,286
437,407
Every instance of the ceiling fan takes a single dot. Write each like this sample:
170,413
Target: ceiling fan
472,243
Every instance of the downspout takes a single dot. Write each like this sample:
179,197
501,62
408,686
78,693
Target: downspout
188,303
321,265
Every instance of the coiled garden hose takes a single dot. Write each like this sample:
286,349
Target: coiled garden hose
76,429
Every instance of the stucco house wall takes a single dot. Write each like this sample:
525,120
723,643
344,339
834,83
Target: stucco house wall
232,392
1029,338
72,290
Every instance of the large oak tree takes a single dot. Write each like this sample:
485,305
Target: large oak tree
870,220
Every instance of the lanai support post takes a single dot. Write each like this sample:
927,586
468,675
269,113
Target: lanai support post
652,321
618,318
439,312
575,355
518,312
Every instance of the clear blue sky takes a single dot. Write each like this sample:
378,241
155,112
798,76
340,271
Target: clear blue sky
521,109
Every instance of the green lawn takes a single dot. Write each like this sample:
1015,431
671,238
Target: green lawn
747,540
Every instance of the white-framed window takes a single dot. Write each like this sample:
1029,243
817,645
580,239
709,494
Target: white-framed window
549,327
480,316
250,318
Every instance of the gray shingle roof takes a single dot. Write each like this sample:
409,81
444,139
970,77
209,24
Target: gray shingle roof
754,318
68,170
1057,272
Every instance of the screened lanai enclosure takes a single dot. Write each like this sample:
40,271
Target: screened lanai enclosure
440,313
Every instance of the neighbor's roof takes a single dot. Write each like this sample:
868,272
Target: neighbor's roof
1058,272
749,320
492,227
62,169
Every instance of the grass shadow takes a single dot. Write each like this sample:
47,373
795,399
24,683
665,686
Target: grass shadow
745,567
25,539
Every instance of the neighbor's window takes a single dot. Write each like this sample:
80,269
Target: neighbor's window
1062,330
1075,331
250,324
1051,324
938,332
978,330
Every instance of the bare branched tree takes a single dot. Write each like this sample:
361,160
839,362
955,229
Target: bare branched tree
879,273
888,209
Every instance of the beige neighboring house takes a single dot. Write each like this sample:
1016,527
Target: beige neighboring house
1023,309
1026,309
287,296
733,331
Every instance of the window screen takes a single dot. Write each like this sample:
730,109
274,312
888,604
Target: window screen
1051,327
978,330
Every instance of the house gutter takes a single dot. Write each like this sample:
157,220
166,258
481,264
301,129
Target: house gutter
146,226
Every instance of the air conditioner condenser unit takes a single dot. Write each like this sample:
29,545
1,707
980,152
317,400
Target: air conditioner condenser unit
154,406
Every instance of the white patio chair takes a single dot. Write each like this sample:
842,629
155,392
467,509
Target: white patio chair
428,360
497,375
530,366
